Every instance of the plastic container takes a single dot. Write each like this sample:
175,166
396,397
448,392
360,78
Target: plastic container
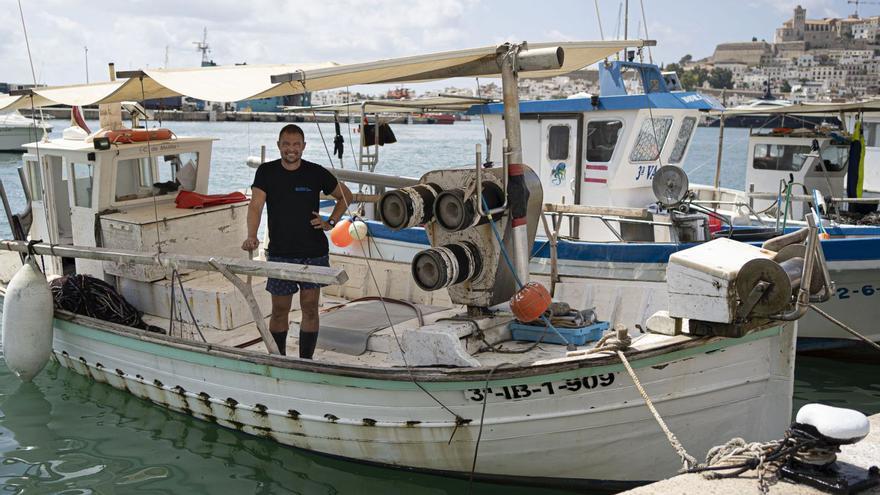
576,336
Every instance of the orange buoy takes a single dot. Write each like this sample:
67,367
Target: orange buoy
530,302
340,235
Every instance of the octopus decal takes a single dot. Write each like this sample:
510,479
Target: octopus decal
557,176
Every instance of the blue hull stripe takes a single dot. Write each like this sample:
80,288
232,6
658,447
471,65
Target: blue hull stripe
854,249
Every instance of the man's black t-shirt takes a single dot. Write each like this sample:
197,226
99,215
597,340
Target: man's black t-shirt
291,197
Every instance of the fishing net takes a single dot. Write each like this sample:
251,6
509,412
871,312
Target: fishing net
89,296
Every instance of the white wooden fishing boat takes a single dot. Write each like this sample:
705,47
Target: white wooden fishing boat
419,383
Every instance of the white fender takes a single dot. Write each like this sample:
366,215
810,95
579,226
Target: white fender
358,230
27,322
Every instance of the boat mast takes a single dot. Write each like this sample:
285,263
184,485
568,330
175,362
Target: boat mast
511,59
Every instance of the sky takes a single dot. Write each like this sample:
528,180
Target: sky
138,34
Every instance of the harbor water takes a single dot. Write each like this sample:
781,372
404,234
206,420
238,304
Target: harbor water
67,434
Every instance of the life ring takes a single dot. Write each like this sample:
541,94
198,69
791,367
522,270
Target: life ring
782,130
125,136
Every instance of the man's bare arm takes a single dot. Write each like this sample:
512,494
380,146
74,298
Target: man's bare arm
254,216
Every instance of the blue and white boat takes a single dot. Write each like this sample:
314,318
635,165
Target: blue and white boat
597,158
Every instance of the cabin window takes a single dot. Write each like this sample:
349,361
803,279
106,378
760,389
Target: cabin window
785,157
684,136
36,177
134,179
834,158
181,168
83,180
602,138
557,142
871,131
651,138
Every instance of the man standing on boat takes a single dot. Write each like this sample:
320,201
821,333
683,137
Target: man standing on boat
291,188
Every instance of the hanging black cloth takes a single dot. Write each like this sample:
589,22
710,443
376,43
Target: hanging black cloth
338,141
386,135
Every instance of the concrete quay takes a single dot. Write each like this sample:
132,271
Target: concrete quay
863,455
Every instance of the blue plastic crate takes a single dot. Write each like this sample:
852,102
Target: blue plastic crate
576,336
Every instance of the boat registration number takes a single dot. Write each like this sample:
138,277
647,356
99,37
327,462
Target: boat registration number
525,391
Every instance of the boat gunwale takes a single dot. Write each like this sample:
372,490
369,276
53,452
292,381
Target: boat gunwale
420,374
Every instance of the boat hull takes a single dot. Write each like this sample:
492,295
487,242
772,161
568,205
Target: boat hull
578,424
13,137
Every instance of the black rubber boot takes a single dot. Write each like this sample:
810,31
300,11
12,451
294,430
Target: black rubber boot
281,341
307,342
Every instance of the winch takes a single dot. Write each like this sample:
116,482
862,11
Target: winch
465,256
729,288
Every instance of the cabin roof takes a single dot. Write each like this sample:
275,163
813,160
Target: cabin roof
677,101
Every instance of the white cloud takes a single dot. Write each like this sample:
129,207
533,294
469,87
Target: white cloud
135,34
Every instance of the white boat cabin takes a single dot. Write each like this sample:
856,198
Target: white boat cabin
812,159
604,149
118,198
871,131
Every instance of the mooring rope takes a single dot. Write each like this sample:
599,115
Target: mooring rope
845,327
688,461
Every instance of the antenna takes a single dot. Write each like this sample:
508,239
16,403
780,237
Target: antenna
858,2
203,47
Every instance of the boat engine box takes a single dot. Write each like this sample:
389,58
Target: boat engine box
701,280
211,231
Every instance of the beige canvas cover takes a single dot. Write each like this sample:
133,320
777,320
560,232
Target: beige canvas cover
417,105
831,109
245,82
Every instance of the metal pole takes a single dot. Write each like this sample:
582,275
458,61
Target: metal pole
87,64
513,153
718,162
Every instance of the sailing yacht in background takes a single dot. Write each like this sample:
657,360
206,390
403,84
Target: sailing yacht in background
16,130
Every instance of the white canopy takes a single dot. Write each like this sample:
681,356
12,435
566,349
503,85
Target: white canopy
418,105
245,82
806,108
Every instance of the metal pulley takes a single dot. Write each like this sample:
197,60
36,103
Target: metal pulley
764,287
456,211
447,265
408,206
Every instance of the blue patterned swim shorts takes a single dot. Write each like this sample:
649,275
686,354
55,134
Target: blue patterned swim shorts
278,287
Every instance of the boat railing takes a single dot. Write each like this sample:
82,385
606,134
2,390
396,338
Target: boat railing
228,267
606,214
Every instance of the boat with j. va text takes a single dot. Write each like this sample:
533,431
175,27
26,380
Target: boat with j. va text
618,203
464,385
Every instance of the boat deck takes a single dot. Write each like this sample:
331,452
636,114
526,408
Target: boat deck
383,349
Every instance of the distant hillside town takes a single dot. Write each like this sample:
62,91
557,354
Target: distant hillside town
809,59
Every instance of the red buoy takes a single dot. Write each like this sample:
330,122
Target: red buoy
530,302
340,235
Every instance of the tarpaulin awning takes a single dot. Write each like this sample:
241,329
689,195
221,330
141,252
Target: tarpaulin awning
246,82
417,105
831,109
